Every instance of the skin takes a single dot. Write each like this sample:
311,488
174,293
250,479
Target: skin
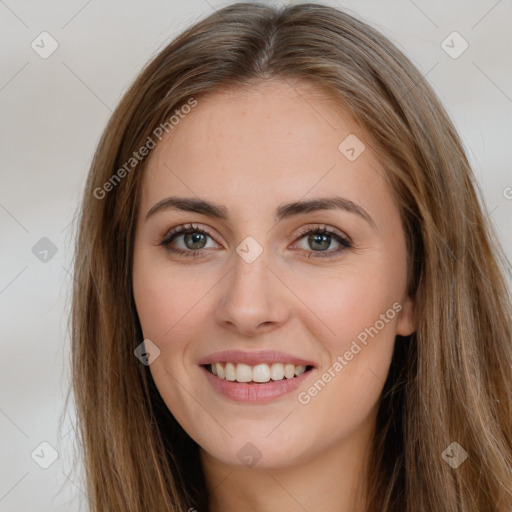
251,150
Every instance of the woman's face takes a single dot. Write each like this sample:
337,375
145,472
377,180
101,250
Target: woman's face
250,279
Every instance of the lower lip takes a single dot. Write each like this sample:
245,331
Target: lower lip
254,392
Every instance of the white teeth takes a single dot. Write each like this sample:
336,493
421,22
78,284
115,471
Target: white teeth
259,373
299,370
230,371
243,373
277,371
220,370
289,371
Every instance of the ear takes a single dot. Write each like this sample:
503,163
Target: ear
406,323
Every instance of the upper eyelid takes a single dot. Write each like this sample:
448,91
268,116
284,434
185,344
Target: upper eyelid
320,226
181,229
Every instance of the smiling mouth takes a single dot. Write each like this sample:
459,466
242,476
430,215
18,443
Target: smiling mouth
256,374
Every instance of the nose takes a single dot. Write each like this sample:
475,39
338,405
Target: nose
253,299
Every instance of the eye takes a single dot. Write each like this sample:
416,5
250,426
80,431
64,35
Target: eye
320,239
194,240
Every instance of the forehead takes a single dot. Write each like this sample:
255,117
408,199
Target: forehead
274,141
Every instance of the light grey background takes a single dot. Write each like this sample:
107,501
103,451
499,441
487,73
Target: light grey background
53,111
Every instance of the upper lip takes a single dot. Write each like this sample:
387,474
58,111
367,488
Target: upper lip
254,358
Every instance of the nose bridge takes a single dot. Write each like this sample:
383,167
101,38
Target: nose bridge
249,277
251,258
251,294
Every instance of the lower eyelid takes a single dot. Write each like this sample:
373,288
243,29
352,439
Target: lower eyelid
172,239
344,244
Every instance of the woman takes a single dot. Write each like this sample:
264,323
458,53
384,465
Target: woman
288,296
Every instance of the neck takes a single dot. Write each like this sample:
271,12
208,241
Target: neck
331,481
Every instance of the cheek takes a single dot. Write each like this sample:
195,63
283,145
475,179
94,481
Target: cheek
356,326
170,312
354,316
343,304
166,297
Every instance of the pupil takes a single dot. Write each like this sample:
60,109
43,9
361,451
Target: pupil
196,239
319,238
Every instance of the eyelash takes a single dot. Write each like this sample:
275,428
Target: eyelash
191,228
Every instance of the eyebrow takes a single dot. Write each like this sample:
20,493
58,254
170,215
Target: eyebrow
283,211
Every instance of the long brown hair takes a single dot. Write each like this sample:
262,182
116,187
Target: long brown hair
450,381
